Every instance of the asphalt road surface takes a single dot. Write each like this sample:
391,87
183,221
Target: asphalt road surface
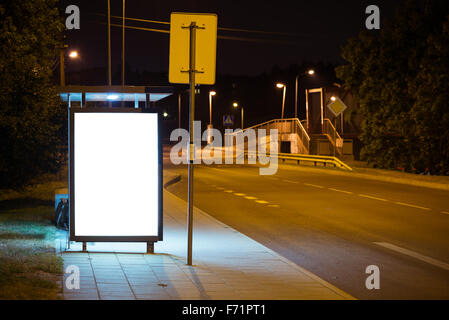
335,226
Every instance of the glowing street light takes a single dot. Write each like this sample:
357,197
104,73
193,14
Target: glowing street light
309,72
73,54
282,86
333,98
165,114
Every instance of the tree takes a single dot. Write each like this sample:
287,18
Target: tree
31,115
399,76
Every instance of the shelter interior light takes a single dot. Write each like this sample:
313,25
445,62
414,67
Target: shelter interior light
112,97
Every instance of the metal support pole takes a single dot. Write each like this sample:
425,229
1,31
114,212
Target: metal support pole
109,43
335,136
210,109
84,247
296,96
192,66
179,110
283,101
242,118
123,45
150,247
61,67
123,50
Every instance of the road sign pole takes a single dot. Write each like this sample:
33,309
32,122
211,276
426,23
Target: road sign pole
192,71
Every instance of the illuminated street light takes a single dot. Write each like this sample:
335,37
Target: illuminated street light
309,72
165,114
333,98
73,54
280,86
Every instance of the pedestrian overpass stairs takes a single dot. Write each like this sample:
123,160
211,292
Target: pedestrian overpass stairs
291,135
294,138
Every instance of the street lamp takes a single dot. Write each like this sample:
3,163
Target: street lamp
309,72
282,86
236,105
211,94
333,98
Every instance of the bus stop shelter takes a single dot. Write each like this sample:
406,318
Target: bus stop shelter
130,96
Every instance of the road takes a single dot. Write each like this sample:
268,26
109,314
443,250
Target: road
335,225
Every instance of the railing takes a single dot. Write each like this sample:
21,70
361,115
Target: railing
285,126
324,160
333,136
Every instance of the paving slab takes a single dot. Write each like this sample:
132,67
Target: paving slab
227,265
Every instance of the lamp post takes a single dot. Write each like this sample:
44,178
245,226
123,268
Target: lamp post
211,94
72,55
236,105
210,126
310,72
282,86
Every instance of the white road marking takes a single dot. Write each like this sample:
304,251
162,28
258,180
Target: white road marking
290,181
251,198
262,201
415,255
313,185
338,190
444,212
413,206
229,191
240,194
273,206
371,197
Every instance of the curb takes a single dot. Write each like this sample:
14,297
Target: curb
172,181
367,176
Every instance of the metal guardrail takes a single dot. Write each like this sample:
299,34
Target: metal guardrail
310,158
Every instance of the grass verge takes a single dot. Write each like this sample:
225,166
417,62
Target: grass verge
29,266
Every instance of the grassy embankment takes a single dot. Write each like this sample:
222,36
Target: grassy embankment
29,266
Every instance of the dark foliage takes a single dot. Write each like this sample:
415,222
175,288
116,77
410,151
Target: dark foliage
32,119
400,77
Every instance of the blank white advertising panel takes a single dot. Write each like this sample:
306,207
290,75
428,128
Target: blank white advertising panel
115,185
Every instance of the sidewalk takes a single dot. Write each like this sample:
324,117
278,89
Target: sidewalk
227,265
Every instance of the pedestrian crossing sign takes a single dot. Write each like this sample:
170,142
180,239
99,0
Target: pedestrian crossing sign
228,120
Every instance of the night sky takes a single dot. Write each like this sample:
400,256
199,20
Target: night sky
316,31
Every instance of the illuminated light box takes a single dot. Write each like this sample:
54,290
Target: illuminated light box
115,175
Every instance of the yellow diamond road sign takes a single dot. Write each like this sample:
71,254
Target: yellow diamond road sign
206,47
337,107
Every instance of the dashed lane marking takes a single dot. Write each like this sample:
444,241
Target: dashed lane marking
262,201
342,191
229,191
373,198
432,261
273,206
290,181
313,185
412,206
240,194
251,198
444,212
